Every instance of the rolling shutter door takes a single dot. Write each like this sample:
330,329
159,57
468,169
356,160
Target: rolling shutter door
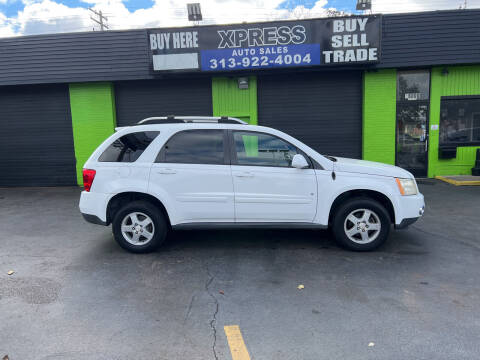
36,140
323,110
137,100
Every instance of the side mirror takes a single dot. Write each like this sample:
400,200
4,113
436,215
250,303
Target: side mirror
300,162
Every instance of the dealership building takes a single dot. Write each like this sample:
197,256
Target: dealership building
401,89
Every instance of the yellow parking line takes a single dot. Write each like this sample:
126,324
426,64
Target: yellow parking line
235,342
458,182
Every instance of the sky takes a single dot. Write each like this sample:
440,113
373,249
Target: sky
29,17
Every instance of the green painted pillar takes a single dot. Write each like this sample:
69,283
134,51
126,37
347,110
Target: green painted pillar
379,115
229,100
436,83
93,118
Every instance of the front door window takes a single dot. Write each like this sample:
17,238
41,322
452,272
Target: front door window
257,149
413,94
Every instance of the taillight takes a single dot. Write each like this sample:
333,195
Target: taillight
88,176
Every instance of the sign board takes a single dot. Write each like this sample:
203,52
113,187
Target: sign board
320,42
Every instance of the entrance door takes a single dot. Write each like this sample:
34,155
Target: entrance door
412,121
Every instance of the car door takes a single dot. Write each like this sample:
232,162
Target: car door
193,172
267,188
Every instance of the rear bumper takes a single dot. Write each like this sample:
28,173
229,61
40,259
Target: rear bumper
94,204
93,219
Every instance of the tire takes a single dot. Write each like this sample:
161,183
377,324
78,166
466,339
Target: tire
366,230
139,227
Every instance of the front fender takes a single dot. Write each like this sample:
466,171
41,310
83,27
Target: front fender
345,182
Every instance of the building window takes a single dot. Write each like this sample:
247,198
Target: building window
413,85
460,121
129,147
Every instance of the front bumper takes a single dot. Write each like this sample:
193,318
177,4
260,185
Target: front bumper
93,219
405,223
409,210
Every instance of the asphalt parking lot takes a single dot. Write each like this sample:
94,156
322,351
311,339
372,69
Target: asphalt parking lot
76,295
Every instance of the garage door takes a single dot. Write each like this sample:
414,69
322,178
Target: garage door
137,100
324,110
36,140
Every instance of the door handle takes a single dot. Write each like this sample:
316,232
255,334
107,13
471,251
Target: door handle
244,175
166,171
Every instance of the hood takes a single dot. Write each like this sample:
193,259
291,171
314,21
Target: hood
370,168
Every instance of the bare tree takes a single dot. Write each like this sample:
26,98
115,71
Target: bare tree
300,12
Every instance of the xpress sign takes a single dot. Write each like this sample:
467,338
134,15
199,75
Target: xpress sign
331,41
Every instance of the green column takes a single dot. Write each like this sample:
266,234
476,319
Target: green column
229,100
93,118
379,115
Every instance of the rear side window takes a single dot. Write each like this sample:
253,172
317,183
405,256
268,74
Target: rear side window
194,147
129,147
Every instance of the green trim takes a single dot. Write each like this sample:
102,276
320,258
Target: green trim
229,100
379,112
460,80
93,118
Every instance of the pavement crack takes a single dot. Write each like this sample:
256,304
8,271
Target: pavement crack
189,309
214,316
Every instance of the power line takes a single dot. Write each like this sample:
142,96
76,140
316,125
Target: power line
100,20
254,14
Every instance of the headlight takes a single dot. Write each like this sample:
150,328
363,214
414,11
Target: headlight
406,186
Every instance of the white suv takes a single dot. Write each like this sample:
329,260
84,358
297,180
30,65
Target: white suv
196,172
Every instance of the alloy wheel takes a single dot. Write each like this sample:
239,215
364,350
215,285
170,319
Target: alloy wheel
137,228
362,226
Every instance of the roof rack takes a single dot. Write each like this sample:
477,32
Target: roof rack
171,119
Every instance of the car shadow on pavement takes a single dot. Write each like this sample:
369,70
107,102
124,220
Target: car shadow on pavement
405,242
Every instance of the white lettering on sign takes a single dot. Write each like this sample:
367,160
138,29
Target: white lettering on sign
355,40
282,35
160,41
350,42
349,25
412,96
176,40
350,55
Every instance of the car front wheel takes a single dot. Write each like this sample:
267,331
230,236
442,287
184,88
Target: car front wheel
139,227
361,224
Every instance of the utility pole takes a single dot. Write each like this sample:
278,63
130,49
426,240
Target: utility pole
100,20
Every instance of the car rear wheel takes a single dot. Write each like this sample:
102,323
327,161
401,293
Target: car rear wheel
139,227
361,224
